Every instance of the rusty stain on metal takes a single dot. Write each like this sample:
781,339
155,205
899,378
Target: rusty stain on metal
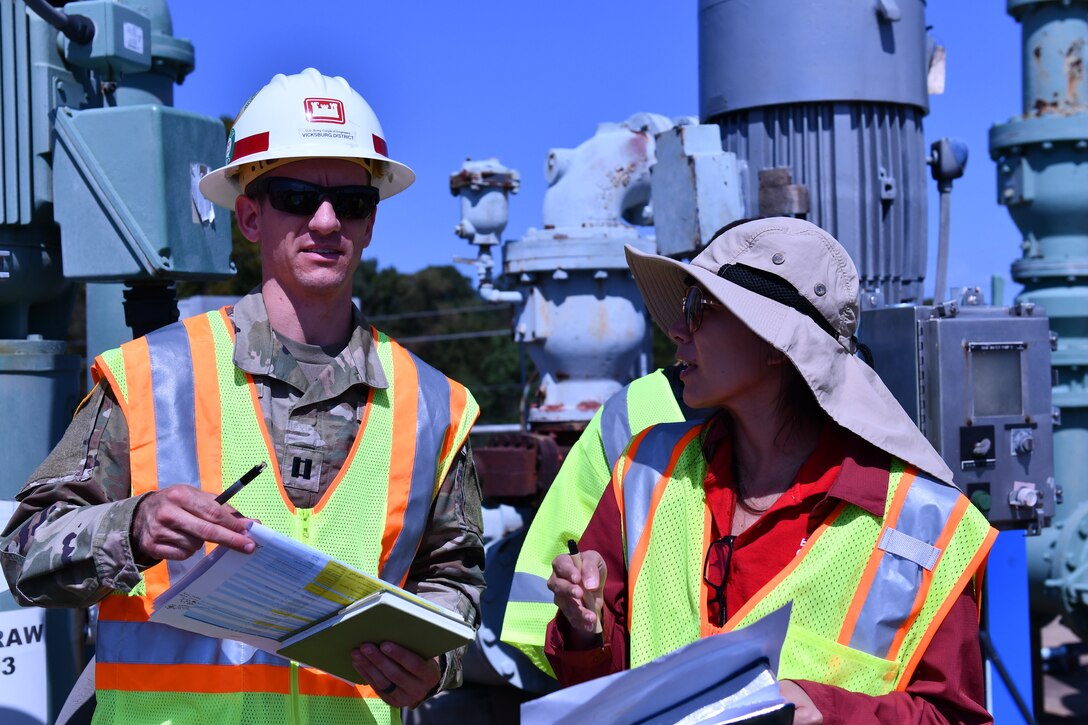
1074,72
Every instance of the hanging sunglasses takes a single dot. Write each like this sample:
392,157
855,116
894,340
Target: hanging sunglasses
715,573
694,302
301,198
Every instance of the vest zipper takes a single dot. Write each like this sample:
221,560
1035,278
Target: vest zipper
304,524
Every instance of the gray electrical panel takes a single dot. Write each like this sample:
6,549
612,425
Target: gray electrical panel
974,378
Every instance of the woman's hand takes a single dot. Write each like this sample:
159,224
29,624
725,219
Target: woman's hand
579,592
805,712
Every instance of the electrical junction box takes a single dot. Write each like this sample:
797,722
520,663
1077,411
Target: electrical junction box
126,196
121,43
977,381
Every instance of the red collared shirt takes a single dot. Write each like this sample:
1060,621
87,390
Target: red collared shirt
946,686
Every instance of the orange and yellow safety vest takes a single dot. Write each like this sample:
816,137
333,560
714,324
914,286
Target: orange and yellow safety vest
866,593
194,419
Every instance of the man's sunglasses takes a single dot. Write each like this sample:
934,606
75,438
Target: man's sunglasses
301,198
694,303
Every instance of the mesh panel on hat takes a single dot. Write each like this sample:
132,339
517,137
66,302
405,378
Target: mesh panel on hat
774,288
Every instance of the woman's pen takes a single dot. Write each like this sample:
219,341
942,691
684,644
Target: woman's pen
598,632
237,485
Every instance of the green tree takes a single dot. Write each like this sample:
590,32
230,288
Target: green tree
437,314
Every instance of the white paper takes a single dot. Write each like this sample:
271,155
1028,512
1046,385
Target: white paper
261,598
725,669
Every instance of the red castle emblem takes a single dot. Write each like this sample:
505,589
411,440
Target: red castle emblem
324,110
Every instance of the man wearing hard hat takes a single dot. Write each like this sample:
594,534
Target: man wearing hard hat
366,445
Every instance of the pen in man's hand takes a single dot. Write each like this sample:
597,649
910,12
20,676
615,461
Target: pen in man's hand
598,632
237,485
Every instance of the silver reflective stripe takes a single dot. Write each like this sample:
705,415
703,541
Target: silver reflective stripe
530,588
642,475
150,643
175,406
174,393
615,426
896,542
895,586
432,421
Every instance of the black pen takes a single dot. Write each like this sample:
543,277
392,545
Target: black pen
237,485
598,632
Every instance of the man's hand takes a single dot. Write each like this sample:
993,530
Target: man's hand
805,712
579,592
176,521
399,676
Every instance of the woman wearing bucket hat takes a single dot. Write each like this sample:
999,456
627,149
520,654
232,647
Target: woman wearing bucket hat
810,486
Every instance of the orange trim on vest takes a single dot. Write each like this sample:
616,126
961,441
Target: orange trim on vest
259,414
316,682
458,401
706,629
208,414
351,453
402,452
770,586
976,562
262,425
875,557
980,575
125,608
620,469
209,679
949,531
643,545
141,407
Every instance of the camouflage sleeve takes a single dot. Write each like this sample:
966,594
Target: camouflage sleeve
449,566
67,545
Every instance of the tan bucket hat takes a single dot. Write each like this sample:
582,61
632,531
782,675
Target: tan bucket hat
793,285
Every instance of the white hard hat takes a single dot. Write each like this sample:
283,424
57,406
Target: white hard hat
307,115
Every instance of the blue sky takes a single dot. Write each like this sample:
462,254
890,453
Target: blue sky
513,80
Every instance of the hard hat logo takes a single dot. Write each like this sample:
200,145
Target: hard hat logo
324,110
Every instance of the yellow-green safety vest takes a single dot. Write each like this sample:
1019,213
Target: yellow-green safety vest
867,593
570,502
194,419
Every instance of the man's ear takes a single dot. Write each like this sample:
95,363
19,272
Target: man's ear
248,212
369,228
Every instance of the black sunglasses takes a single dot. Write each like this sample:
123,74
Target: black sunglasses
718,556
302,198
694,303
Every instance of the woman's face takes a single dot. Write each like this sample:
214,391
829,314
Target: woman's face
728,365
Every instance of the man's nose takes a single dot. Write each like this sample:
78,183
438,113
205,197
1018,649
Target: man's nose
324,220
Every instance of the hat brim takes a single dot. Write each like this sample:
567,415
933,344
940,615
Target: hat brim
847,389
221,186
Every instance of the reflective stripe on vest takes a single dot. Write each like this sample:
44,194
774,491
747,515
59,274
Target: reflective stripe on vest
875,589
198,419
570,504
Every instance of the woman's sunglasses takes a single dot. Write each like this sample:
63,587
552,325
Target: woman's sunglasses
695,302
301,198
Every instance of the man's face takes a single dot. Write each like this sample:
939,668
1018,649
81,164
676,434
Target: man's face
310,258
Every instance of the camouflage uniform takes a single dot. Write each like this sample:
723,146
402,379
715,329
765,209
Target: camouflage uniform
68,543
